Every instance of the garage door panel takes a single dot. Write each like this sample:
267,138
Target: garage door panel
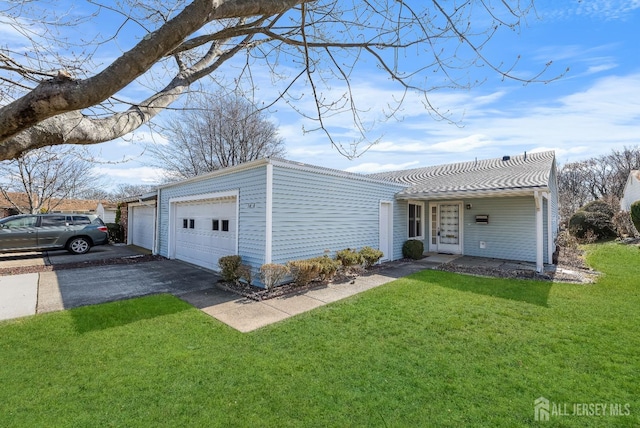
198,242
143,220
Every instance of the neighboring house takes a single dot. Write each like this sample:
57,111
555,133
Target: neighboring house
138,216
107,211
274,211
631,191
68,206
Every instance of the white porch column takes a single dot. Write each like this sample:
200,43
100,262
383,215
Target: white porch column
550,248
539,232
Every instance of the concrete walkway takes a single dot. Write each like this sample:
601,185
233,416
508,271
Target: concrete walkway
28,294
247,315
18,295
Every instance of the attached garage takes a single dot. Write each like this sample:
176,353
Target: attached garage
142,219
204,228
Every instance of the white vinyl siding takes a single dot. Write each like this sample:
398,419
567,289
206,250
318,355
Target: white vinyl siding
510,233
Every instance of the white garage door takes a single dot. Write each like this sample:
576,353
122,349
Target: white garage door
205,231
142,225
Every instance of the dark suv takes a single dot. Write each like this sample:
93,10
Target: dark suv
76,233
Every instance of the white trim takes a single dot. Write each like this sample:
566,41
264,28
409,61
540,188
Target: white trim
460,203
268,232
284,164
333,172
539,232
173,202
421,236
130,221
388,252
469,194
550,248
204,196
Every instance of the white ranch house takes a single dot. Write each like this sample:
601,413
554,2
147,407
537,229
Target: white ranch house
274,211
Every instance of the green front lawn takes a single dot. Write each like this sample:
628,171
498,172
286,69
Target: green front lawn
432,349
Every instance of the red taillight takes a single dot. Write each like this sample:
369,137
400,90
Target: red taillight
103,228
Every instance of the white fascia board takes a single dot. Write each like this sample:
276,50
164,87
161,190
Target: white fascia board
333,172
471,194
204,196
225,171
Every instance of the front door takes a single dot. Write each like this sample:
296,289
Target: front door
446,227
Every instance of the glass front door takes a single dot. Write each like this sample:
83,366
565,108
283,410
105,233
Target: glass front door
446,228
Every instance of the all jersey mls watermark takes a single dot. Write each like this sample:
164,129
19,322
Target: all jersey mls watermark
545,409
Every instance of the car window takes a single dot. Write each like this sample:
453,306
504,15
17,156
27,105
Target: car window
98,221
29,221
53,220
81,219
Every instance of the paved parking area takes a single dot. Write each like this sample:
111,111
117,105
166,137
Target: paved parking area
59,289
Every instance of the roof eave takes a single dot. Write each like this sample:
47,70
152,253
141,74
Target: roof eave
470,194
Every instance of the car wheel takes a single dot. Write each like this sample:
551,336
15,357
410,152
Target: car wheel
79,245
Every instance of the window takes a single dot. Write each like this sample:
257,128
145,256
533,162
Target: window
225,225
216,225
81,219
415,221
192,224
29,221
53,220
185,223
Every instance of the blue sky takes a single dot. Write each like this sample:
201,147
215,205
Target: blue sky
592,109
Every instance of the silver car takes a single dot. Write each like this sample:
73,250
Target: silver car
76,233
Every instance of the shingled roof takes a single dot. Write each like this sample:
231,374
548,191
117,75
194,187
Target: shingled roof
512,175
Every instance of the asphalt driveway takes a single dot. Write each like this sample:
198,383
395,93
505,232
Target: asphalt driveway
57,288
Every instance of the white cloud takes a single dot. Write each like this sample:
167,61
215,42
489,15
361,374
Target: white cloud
372,167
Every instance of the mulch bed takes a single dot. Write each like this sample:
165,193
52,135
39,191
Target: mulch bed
17,270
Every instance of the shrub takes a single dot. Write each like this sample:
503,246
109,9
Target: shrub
327,267
230,267
370,256
623,224
635,214
272,274
567,241
244,272
413,249
116,232
596,216
599,206
348,257
303,271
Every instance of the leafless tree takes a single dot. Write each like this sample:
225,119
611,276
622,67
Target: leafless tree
599,177
46,177
55,89
216,132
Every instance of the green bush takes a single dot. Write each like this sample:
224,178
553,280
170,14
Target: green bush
272,274
303,271
230,268
349,257
116,232
327,267
635,214
597,217
370,256
413,249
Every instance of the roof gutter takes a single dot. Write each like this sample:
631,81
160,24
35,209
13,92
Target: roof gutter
470,194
